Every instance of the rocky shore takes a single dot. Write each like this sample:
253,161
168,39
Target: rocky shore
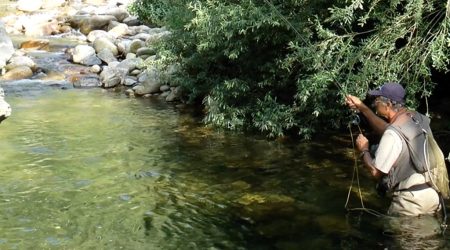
110,48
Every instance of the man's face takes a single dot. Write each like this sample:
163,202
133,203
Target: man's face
381,106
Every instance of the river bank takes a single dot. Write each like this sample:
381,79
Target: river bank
92,43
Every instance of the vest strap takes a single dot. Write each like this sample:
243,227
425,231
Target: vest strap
417,187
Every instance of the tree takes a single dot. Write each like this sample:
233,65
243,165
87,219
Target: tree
280,66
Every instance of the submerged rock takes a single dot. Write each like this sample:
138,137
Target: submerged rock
260,206
35,44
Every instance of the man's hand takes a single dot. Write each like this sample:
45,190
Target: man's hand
362,143
353,102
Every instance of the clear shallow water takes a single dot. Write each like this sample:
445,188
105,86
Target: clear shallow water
92,169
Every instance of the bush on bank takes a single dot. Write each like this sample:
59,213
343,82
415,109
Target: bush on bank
284,66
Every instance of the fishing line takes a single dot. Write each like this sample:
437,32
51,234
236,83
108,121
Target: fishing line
268,2
355,176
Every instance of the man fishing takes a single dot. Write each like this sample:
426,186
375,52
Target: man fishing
400,162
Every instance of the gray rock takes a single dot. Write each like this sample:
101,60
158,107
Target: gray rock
164,88
130,56
135,45
129,82
135,72
104,43
91,60
150,82
131,21
82,52
18,61
93,35
145,51
119,13
123,46
119,30
129,92
140,29
107,56
130,64
175,95
87,23
6,46
141,36
87,82
110,77
96,69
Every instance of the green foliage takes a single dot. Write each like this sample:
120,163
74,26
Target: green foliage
171,13
279,66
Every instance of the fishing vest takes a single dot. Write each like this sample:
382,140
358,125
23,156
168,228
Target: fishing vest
411,127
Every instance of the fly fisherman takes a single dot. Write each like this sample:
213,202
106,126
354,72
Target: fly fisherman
400,163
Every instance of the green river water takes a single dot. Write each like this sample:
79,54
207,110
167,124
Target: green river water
93,169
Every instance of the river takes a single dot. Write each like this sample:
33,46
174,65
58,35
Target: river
95,169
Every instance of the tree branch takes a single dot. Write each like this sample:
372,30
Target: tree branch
448,9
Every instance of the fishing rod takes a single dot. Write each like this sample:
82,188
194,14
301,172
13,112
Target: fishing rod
272,6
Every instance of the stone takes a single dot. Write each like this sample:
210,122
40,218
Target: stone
119,13
91,60
135,45
87,82
18,61
29,5
104,43
81,52
131,21
51,4
145,51
35,44
110,77
6,46
96,69
5,108
107,56
119,30
174,95
93,35
88,23
22,72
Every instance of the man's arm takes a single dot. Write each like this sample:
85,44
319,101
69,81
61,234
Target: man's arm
368,163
